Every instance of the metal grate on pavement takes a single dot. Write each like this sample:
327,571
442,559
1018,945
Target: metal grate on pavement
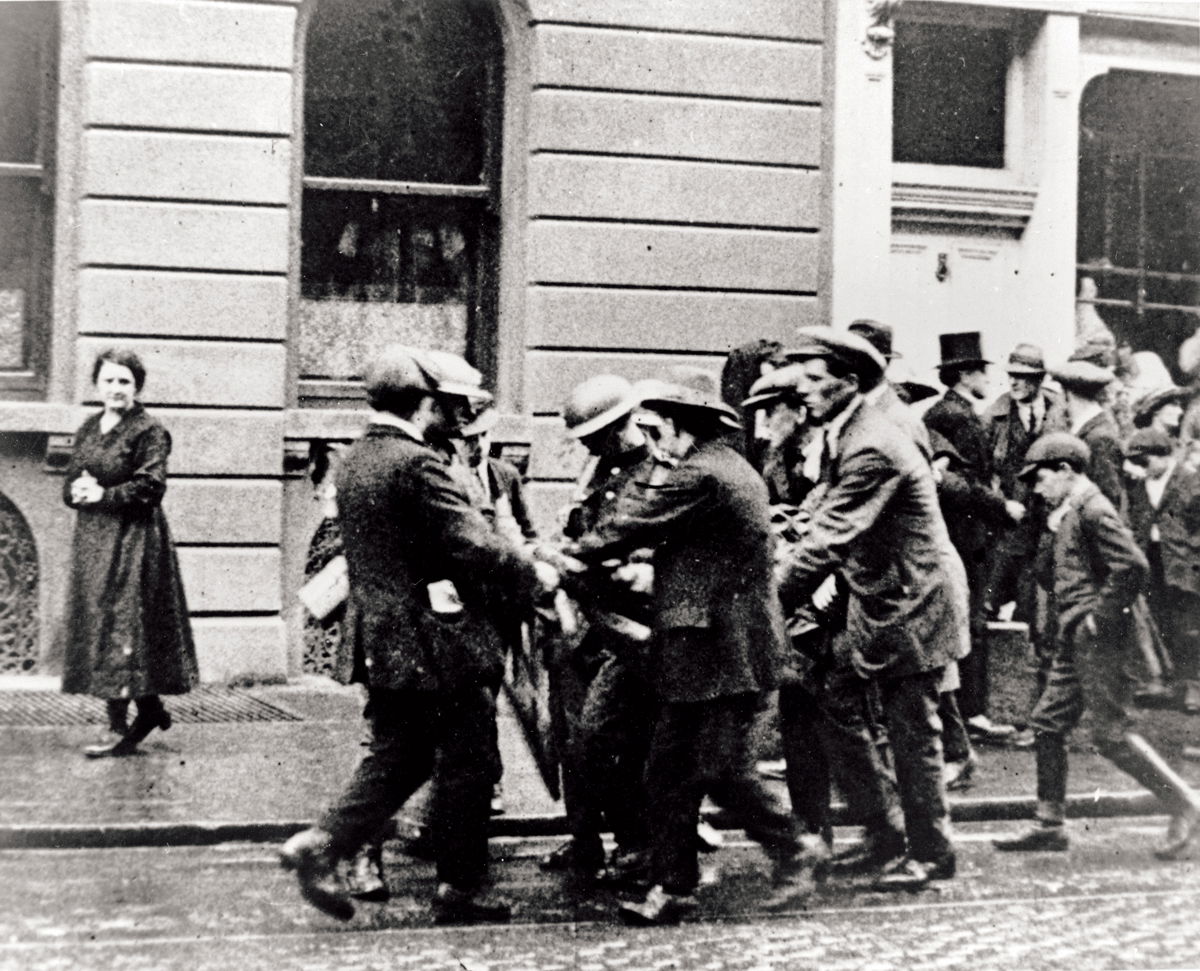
204,704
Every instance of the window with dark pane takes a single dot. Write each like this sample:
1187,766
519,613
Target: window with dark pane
27,88
948,102
401,131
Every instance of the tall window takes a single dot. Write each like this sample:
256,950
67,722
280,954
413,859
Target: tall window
28,40
950,82
401,164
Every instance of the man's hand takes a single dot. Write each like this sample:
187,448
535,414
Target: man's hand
1016,510
639,577
1089,625
547,576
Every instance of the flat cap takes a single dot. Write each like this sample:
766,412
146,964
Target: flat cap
855,352
1148,441
1082,375
1143,413
774,385
1055,447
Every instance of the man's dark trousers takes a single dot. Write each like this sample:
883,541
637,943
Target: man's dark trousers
703,748
411,728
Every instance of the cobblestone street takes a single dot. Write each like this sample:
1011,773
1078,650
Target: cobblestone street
1105,905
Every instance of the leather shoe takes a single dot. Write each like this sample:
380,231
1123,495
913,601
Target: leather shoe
1182,829
657,909
454,906
626,870
912,875
983,729
797,878
365,880
961,775
568,856
1038,838
306,853
874,852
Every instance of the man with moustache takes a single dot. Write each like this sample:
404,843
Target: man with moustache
875,522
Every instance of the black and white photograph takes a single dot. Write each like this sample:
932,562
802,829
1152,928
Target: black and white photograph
600,485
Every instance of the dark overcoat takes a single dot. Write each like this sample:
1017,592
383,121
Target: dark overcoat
1103,438
406,523
875,521
126,628
1178,520
954,419
717,622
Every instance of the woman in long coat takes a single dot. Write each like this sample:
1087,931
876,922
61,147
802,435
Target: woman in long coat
127,631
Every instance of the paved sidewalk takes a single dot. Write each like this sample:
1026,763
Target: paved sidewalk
206,783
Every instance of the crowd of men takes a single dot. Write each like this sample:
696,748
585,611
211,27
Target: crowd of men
796,527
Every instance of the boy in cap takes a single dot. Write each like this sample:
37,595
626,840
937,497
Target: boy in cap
1092,571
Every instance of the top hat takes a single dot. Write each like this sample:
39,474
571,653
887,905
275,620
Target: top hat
852,350
962,349
1026,359
877,334
691,387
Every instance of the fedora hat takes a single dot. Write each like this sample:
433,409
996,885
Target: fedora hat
852,350
690,387
877,334
1143,412
1026,359
961,349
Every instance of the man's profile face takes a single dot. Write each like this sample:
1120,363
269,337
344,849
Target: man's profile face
1168,418
975,381
1024,387
824,395
1054,484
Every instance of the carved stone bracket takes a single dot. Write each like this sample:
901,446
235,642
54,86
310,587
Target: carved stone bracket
880,35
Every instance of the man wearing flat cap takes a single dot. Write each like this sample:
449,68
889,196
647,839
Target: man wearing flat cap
1085,387
1164,513
717,643
875,522
1162,410
894,396
1092,571
424,566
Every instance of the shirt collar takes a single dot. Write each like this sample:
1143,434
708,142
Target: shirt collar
1088,411
406,426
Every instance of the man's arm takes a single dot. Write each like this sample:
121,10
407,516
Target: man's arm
847,510
1126,566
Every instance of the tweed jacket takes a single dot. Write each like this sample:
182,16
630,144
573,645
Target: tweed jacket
887,401
1097,566
1104,439
406,523
875,520
1178,520
718,625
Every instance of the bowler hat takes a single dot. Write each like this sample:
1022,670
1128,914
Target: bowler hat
877,334
598,402
692,388
851,350
1082,376
1148,441
1055,447
774,385
1026,359
1144,412
962,349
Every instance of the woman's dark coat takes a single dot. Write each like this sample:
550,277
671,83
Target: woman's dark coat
126,628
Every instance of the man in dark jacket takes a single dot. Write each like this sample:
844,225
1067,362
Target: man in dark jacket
718,641
1013,422
1084,385
1092,571
1164,513
964,373
876,522
423,562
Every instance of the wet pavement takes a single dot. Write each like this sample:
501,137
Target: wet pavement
1105,904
